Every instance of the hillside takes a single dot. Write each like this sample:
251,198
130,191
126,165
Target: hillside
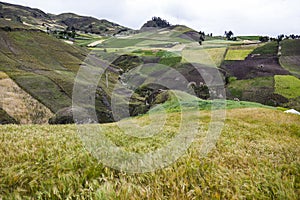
43,67
88,24
23,14
252,70
256,157
38,19
290,56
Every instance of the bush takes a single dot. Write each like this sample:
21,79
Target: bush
7,28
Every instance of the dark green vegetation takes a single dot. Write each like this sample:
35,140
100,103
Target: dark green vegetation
256,157
270,48
156,22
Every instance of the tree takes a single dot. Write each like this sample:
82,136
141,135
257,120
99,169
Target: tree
18,19
280,38
264,38
202,37
48,30
228,34
157,22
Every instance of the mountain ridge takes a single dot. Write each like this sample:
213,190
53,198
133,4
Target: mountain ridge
40,19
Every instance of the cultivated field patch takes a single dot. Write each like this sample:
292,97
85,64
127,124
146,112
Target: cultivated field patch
287,86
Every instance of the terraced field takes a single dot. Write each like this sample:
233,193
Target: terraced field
239,53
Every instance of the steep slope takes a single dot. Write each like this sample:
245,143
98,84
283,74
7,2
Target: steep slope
43,66
23,14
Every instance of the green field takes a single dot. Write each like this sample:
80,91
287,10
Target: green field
239,53
256,158
267,48
290,56
255,90
255,38
287,86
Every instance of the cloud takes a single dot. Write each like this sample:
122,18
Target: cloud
264,17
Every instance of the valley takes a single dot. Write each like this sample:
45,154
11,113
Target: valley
90,109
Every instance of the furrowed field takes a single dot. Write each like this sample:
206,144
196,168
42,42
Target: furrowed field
256,157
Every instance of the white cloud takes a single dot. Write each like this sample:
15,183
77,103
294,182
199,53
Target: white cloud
263,17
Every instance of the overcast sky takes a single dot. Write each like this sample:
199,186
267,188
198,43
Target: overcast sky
243,17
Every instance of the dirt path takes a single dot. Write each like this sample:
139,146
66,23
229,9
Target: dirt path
93,44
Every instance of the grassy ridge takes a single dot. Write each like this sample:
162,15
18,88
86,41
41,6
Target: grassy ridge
256,158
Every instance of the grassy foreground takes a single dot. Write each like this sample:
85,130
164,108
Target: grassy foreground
256,157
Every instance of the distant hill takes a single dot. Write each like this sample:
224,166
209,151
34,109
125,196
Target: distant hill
23,14
156,22
88,24
39,19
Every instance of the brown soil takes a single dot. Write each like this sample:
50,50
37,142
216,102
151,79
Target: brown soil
254,66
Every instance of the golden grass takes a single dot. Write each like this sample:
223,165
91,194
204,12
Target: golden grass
3,75
256,157
20,105
217,55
